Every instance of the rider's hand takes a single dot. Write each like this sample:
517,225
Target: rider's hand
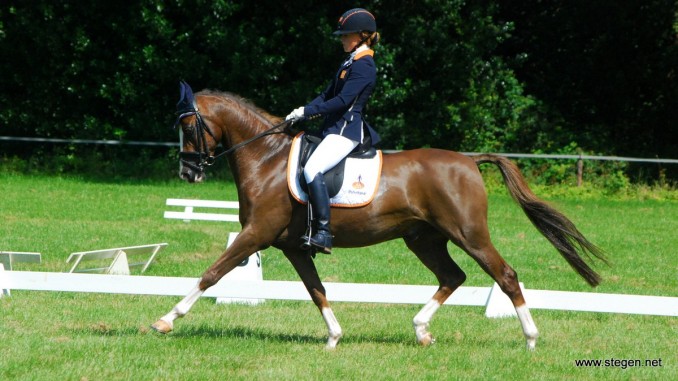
296,114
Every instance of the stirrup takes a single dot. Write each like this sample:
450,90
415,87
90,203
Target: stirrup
305,242
306,238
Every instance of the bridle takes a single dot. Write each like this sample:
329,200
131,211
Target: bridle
202,158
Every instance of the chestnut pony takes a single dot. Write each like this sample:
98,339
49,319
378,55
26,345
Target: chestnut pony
427,197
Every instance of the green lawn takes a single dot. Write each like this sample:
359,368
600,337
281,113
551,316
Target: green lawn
72,336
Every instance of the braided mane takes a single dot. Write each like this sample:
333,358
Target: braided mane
244,103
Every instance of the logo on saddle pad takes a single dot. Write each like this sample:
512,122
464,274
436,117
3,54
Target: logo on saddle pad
351,184
358,184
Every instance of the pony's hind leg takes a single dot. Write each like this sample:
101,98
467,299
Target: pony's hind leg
465,224
431,248
489,259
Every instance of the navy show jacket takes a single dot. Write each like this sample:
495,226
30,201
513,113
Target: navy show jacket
343,101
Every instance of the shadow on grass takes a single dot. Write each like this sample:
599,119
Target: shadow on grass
246,333
266,335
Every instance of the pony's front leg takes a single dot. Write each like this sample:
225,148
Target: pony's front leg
166,323
241,248
303,264
334,332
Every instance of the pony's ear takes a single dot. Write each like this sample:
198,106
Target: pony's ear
186,99
186,105
182,90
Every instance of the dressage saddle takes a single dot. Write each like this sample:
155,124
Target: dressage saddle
334,178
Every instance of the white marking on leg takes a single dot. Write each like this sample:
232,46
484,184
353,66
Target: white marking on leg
333,328
422,320
183,306
529,328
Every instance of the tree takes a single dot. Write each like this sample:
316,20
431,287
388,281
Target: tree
606,69
473,76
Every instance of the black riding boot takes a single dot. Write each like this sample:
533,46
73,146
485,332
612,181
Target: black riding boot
320,203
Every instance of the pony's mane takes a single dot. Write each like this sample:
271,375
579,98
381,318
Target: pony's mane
246,103
252,112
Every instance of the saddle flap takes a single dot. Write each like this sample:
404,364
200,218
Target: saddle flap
334,178
308,145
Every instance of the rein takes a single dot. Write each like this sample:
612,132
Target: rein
270,131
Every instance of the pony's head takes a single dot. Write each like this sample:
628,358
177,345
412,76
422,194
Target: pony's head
198,141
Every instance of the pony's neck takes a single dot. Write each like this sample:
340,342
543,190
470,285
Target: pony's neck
259,160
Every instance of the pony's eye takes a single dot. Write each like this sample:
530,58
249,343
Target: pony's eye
189,129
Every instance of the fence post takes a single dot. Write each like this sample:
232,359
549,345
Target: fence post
580,171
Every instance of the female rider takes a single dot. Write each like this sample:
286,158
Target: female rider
341,104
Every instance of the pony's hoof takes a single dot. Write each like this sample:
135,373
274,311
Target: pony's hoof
531,344
424,337
427,340
332,342
162,326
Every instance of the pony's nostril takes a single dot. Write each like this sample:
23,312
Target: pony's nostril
185,174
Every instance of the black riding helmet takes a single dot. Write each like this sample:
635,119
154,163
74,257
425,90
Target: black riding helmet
356,20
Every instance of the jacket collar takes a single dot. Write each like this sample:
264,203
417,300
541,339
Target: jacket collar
357,54
362,51
367,52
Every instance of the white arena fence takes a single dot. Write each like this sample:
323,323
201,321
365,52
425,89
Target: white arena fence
496,302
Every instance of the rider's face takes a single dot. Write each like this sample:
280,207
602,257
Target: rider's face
349,41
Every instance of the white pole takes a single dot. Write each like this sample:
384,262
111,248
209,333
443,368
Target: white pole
181,143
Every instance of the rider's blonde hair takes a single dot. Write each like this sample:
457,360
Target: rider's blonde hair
370,38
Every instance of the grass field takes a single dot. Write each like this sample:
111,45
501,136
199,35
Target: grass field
73,336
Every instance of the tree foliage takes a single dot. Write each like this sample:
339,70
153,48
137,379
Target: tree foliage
477,76
607,69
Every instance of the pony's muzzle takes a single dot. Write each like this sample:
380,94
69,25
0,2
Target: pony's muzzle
190,175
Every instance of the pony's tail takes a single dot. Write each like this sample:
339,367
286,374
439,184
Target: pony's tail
552,224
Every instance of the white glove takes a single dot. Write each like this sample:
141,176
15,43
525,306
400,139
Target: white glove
296,114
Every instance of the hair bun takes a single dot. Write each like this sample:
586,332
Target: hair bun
375,38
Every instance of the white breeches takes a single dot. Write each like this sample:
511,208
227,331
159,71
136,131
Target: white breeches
331,150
